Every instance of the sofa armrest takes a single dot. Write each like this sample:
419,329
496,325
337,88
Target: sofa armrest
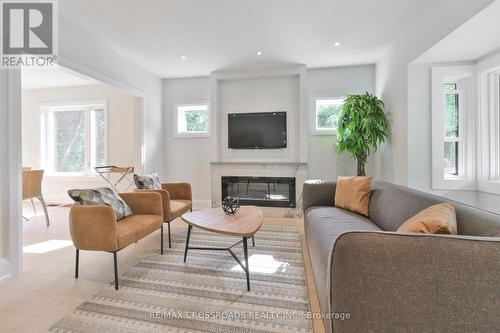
178,191
318,193
144,203
393,282
165,201
93,227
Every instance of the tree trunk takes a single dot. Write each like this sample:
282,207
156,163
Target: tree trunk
361,165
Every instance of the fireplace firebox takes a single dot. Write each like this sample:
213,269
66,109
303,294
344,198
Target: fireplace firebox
260,191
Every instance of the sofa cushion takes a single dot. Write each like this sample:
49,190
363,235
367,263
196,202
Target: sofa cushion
437,219
102,196
353,193
322,226
136,227
149,182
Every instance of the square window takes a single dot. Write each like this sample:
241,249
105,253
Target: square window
326,115
193,120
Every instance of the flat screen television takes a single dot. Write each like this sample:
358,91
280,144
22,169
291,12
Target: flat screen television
259,130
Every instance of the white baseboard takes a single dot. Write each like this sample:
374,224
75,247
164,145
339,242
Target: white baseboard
5,270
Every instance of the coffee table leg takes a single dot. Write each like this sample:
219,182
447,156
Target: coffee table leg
187,242
253,241
247,264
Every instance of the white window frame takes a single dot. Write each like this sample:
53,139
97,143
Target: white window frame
488,155
461,139
314,115
47,143
175,114
466,177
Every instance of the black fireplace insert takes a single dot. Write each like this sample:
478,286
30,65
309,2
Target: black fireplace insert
260,191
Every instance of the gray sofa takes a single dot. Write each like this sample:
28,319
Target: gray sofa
394,282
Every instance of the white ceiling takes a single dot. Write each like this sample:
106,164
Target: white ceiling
53,77
222,34
474,39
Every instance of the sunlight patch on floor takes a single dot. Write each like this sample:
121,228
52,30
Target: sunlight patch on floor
47,246
260,263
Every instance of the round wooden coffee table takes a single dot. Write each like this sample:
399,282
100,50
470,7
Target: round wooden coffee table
245,223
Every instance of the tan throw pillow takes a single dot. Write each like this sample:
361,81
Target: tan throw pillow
437,219
353,193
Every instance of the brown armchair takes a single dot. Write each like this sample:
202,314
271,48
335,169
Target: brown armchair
94,227
32,189
176,200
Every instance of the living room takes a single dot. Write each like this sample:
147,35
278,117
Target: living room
250,166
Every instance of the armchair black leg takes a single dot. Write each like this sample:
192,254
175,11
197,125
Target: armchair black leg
161,239
169,237
76,262
115,259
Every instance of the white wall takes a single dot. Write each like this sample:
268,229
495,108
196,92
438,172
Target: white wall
323,161
188,159
123,136
80,51
264,94
392,80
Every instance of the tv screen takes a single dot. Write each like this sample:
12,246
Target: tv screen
262,130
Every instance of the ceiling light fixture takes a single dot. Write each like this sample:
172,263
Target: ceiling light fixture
259,53
337,44
183,57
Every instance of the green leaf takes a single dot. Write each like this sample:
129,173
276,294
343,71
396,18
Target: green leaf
362,126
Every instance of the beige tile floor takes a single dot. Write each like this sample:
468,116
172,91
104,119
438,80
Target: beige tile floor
47,289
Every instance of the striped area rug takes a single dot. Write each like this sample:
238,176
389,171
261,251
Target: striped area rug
208,292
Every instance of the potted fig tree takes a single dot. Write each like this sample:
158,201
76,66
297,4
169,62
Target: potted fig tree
361,128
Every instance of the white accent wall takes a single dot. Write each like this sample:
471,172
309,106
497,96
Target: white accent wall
188,159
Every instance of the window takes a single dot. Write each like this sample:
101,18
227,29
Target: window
466,126
326,114
453,130
192,120
74,138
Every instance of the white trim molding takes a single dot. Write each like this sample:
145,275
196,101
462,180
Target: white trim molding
488,127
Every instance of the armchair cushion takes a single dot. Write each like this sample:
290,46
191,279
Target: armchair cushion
136,227
179,207
171,208
102,196
150,182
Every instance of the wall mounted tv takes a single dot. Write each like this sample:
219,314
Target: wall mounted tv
259,130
